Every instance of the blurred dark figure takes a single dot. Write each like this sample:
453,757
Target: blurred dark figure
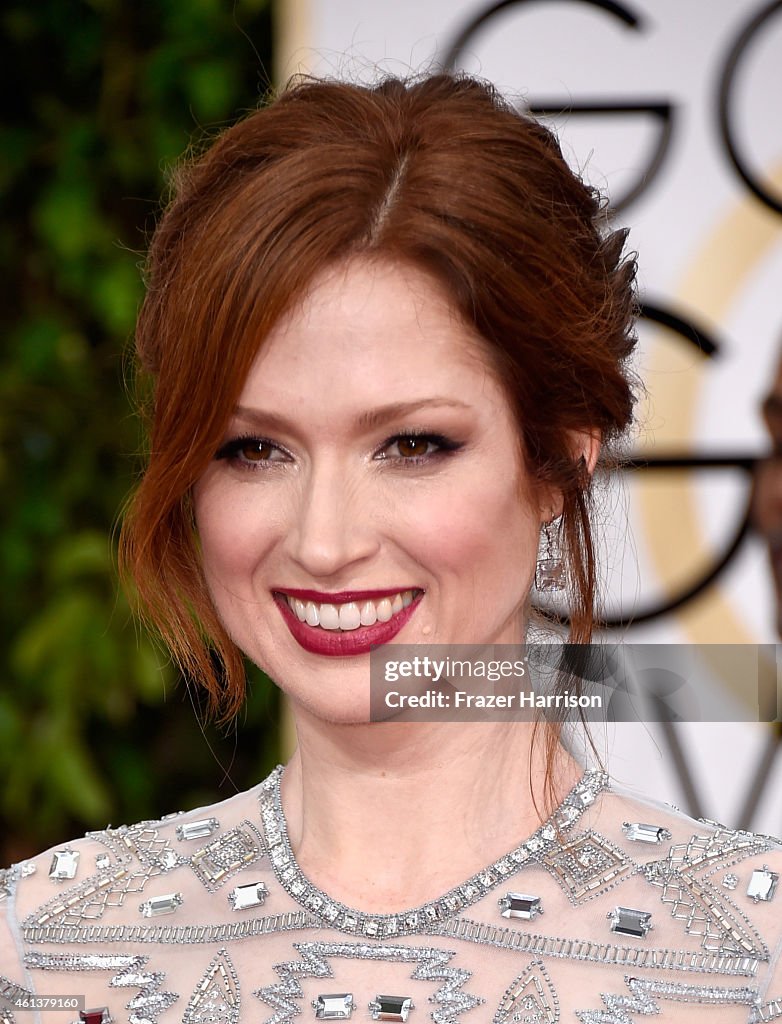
767,520
767,497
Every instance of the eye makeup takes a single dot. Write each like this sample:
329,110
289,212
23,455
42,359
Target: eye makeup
412,448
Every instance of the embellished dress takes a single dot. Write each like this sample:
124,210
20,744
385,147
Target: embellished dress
615,909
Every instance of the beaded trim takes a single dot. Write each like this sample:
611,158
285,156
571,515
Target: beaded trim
706,910
533,991
130,970
432,965
8,879
12,992
641,1001
84,961
227,854
768,1011
11,875
708,913
88,899
142,841
429,916
217,996
587,865
597,952
172,933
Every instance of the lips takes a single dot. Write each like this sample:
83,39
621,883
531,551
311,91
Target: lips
346,623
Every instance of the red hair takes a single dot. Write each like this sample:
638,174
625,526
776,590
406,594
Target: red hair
438,172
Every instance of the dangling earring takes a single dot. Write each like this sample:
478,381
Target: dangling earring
550,568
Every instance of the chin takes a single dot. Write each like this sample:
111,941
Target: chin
331,715
331,705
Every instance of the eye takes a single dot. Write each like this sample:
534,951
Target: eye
416,448
408,447
252,452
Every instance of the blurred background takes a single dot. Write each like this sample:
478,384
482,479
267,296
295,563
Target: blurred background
670,108
100,99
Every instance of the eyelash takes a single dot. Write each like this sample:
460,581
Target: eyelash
231,450
445,447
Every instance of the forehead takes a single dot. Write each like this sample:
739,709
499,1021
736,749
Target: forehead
366,328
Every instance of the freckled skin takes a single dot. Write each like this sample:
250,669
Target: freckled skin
767,494
328,512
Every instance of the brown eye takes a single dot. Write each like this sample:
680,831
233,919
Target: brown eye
256,451
250,452
417,449
411,446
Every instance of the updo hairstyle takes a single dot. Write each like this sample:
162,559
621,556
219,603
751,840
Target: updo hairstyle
438,172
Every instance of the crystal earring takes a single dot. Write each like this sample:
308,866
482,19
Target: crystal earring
550,568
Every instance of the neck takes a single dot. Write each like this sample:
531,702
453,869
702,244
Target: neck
391,815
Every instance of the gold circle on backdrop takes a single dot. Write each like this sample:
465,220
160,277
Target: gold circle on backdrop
742,239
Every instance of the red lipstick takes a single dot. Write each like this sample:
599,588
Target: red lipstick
336,643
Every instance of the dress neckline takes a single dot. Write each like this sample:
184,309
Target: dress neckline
428,916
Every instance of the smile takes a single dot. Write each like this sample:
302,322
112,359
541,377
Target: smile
350,623
351,614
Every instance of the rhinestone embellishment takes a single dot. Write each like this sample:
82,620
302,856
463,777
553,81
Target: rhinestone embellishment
98,1016
626,921
64,864
167,860
242,897
730,881
216,996
762,884
530,998
334,1007
644,993
197,829
586,865
226,855
519,904
159,905
550,575
391,1007
427,964
639,832
541,845
705,910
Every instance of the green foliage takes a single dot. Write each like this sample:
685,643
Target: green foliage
104,96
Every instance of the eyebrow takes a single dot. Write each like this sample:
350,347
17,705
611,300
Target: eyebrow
365,420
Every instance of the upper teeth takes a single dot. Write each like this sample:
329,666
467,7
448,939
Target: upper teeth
352,614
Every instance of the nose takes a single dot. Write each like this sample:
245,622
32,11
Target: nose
333,524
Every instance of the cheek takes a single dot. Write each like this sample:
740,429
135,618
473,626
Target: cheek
234,535
480,529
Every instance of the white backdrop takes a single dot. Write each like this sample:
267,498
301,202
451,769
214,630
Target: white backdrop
710,252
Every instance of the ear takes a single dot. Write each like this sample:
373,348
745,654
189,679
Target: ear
584,444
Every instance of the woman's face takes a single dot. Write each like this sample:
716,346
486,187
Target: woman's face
369,489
